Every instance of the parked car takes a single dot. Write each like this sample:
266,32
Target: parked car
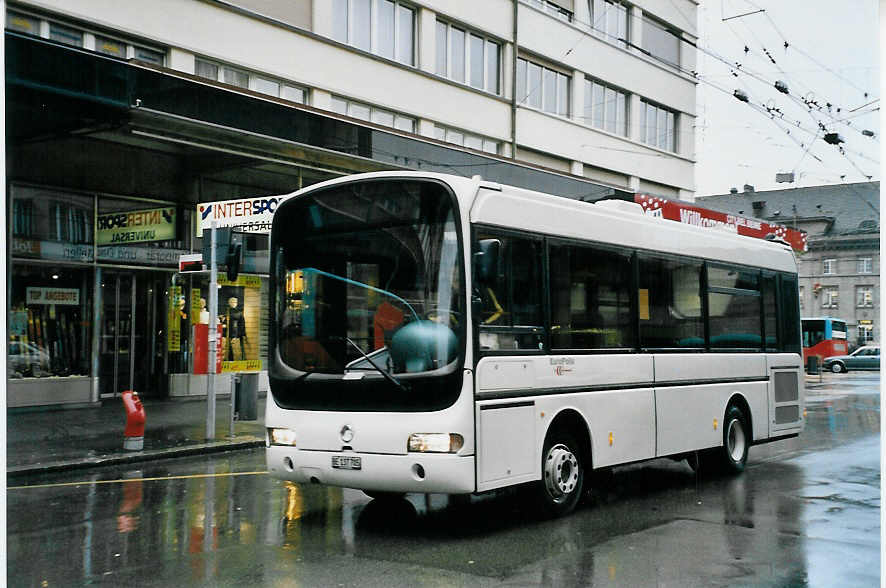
863,358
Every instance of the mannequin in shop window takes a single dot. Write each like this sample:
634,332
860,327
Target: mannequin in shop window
235,329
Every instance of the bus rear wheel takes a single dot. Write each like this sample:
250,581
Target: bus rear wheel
736,440
562,475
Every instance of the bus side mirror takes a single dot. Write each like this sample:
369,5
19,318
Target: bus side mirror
486,260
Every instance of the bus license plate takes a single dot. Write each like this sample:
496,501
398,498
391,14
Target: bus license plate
346,462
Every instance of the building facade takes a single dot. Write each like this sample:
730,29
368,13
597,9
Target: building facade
123,122
840,272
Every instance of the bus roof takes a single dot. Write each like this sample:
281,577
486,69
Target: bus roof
612,222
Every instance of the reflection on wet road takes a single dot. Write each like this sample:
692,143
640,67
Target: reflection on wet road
806,512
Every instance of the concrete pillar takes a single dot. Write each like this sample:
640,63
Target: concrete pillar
426,128
321,99
634,183
635,26
577,168
577,113
182,61
427,40
635,115
321,18
685,135
686,195
582,14
507,77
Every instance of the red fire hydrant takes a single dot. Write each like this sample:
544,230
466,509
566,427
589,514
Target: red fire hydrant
134,434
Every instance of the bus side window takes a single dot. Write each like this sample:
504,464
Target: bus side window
789,313
670,304
510,315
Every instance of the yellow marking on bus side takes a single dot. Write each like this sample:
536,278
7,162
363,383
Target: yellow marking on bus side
123,481
715,424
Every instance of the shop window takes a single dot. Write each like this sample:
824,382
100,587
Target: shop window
50,322
590,298
50,224
865,334
669,301
510,300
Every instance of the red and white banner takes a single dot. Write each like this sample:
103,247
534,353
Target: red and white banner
704,217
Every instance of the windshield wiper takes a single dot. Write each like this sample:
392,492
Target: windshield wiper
390,378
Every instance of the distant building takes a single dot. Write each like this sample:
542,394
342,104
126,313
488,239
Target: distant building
840,273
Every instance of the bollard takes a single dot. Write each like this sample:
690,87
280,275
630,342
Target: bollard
134,434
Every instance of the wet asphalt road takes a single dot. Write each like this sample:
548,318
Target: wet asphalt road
806,512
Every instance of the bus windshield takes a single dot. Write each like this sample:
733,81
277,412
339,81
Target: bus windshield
368,279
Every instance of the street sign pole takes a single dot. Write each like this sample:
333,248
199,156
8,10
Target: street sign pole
213,340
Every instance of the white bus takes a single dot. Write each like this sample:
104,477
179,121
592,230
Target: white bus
433,333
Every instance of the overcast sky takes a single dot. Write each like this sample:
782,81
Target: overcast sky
833,56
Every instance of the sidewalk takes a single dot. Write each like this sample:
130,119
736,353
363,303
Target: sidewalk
57,440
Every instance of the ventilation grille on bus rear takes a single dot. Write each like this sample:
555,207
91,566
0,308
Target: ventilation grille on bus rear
786,388
787,414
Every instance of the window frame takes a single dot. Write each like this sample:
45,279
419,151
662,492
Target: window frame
864,265
351,27
767,279
828,266
252,78
600,26
665,29
832,294
864,297
542,101
371,110
590,107
489,85
672,143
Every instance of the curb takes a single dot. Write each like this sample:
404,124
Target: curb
135,457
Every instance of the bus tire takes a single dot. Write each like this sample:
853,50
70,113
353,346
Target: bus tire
562,475
838,367
736,440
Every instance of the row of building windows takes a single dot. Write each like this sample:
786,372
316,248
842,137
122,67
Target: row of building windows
602,297
79,37
863,265
383,27
830,296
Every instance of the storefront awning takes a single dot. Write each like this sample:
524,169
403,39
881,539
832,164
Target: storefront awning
56,90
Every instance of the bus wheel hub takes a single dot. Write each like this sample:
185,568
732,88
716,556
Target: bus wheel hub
561,471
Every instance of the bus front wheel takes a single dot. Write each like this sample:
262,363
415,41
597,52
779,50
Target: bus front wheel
562,475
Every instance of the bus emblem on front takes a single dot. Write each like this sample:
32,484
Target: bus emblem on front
347,434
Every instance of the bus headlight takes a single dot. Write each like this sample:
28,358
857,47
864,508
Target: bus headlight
281,436
435,442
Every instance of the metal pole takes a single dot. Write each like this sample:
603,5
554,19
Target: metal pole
213,340
234,378
514,96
